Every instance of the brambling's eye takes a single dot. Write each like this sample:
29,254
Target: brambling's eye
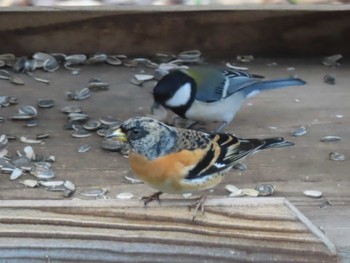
135,131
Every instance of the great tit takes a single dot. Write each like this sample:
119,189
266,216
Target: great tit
211,94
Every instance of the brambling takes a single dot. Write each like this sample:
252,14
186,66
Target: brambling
211,94
177,161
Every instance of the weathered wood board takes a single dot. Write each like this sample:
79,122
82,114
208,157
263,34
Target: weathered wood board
231,230
218,31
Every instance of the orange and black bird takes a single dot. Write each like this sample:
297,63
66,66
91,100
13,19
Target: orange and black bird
177,161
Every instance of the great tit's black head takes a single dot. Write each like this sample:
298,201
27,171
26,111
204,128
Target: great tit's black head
176,91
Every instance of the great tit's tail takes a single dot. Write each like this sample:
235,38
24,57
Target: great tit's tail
256,87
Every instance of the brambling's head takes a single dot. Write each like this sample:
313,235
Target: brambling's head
146,136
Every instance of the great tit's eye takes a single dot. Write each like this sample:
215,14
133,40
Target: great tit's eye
135,131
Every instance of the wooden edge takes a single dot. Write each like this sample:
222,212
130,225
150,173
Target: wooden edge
181,8
314,229
136,203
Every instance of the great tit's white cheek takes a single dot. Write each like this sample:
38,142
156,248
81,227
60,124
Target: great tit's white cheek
181,96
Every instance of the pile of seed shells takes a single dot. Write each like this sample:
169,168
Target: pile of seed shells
30,163
259,190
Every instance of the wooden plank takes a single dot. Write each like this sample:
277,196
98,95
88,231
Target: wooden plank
264,229
279,30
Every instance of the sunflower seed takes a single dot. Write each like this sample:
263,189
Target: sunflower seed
265,189
96,84
102,132
125,196
29,183
133,180
93,192
19,65
84,148
81,134
16,80
30,65
111,145
330,138
51,183
30,110
26,140
69,185
335,156
190,56
313,193
299,131
250,192
51,65
42,136
42,172
231,188
29,152
187,195
71,109
45,103
113,60
68,193
75,59
97,58
240,166
92,125
231,66
329,79
245,58
16,173
109,120
332,60
32,123
4,74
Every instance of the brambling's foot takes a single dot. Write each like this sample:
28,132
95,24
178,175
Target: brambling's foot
199,204
152,197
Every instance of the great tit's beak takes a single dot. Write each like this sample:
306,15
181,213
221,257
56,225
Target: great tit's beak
155,106
118,135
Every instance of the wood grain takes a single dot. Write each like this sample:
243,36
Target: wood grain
263,229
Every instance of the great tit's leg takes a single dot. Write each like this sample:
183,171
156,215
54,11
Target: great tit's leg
198,204
221,126
152,197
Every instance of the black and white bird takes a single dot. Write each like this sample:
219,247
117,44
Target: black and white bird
212,94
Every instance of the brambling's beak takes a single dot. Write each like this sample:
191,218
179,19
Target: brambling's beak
118,135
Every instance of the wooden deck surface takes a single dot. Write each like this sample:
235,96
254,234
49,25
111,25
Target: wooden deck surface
323,109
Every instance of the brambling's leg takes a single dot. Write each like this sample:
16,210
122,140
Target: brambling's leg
221,126
152,197
198,204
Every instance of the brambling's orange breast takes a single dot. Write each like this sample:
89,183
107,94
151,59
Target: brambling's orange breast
166,173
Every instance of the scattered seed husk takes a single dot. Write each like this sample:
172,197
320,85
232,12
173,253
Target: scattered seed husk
45,103
109,120
335,156
143,77
330,138
133,180
42,136
114,60
41,172
41,57
16,80
102,197
73,117
97,58
92,125
300,131
240,166
111,145
329,79
84,148
129,63
313,193
231,188
125,196
29,183
46,81
102,132
75,59
71,109
9,59
51,65
16,173
93,192
187,195
26,140
30,110
30,65
68,193
81,134
250,192
29,152
234,67
4,74
190,56
51,183
332,60
19,65
69,185
135,81
96,84
325,203
32,123
265,189
245,58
